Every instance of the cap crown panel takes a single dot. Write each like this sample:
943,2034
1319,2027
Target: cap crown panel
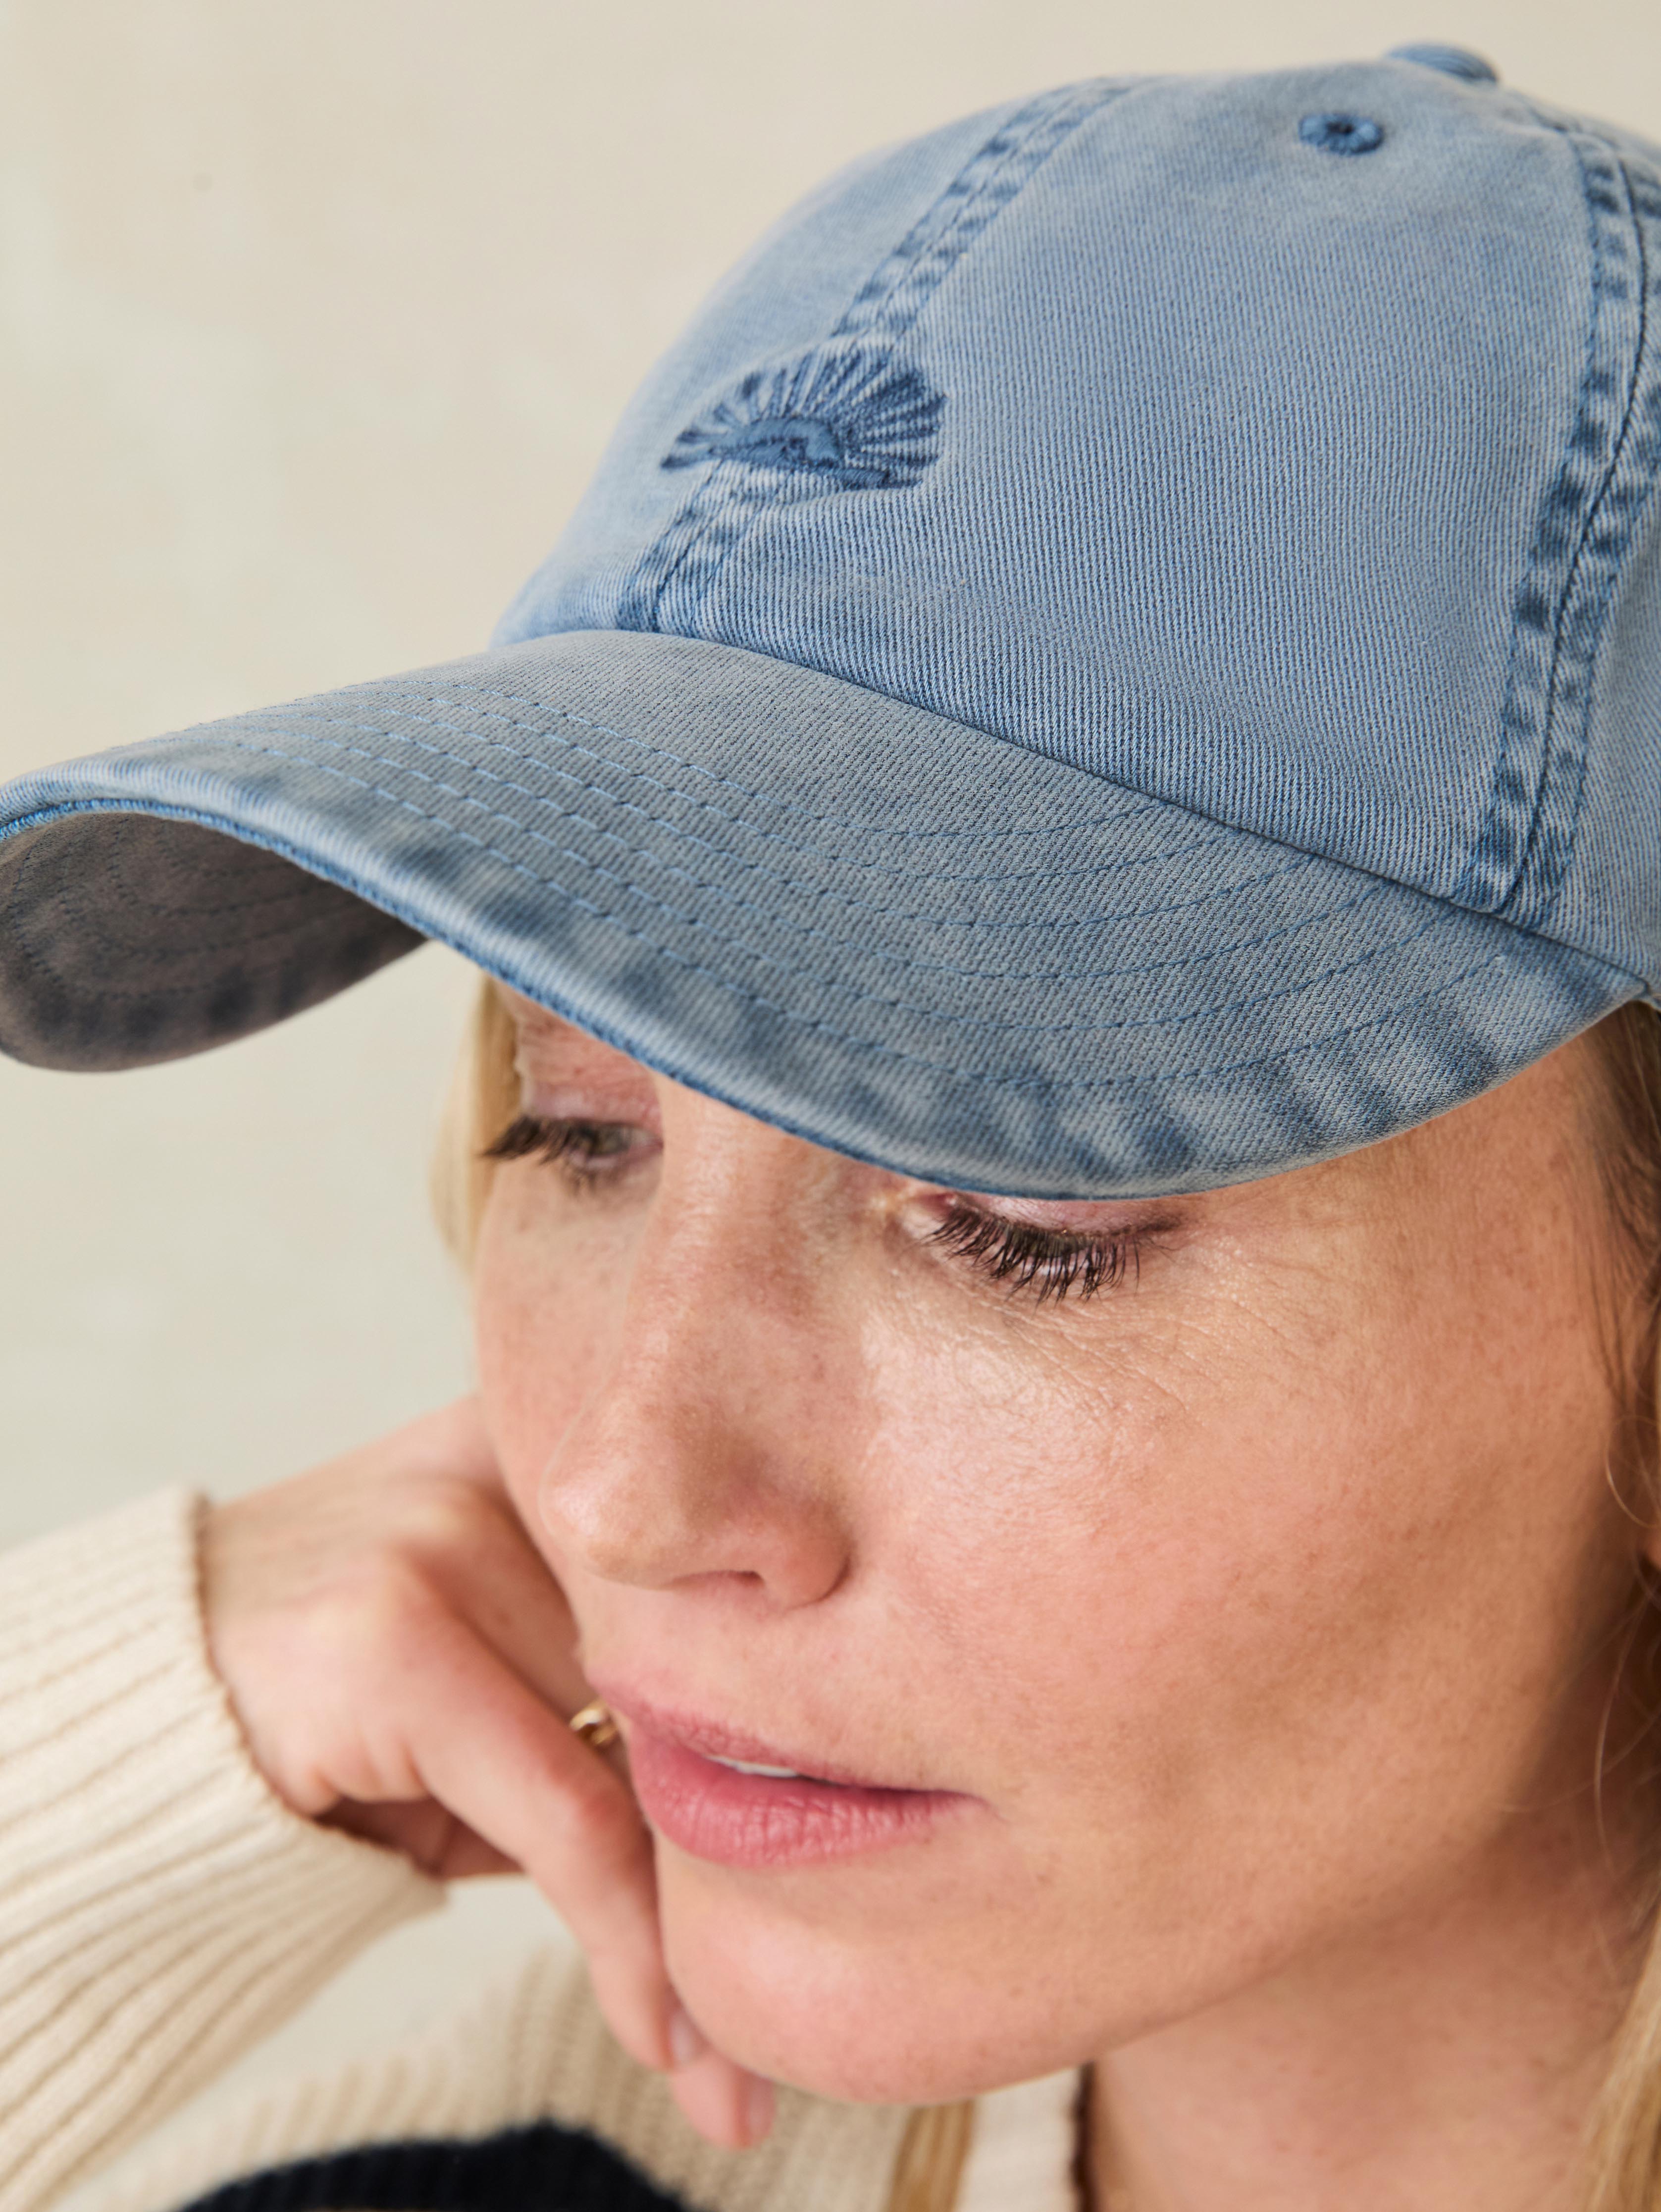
1242,527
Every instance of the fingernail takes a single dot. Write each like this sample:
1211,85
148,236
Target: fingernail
686,2046
758,2110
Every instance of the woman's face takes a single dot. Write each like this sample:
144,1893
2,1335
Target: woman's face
1156,1638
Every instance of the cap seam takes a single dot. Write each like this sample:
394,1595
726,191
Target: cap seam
679,914
1224,829
719,513
1095,921
1148,805
1520,855
856,905
1221,831
1149,800
1551,831
346,878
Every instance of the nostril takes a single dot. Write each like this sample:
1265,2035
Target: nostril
1341,134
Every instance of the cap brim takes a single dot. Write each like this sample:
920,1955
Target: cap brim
897,936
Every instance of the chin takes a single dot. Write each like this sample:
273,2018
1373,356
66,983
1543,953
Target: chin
868,2016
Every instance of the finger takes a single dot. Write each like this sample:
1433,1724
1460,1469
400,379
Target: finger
466,1731
451,1440
499,1581
473,1551
725,2105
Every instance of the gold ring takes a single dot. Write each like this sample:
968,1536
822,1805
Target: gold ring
594,1725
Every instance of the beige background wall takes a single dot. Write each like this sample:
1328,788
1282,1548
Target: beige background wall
313,320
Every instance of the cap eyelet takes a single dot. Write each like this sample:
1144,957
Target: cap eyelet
1341,134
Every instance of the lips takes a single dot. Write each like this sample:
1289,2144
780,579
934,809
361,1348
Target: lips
739,1802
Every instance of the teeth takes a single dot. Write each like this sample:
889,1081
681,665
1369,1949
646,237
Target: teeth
749,1767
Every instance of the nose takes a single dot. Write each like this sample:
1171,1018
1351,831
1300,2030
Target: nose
714,1439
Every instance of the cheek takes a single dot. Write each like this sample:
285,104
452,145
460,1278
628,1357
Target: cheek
1328,1609
1257,1621
541,1320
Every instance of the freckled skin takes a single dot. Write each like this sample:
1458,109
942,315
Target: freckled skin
1258,1600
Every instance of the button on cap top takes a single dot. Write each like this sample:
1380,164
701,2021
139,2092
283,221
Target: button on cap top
1452,61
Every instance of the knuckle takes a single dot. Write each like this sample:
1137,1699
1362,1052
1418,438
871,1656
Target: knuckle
372,1614
444,1517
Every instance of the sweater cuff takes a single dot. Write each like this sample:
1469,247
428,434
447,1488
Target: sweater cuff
160,1908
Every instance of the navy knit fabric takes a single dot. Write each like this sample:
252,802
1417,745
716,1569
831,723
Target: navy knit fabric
536,2169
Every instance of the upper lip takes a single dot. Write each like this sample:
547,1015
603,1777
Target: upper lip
714,1740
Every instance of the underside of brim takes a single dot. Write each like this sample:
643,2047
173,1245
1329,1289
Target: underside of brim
899,937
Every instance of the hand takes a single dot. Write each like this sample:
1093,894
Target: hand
403,1664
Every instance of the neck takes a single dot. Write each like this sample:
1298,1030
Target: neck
1446,2062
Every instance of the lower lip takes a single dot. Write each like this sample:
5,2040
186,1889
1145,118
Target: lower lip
735,1819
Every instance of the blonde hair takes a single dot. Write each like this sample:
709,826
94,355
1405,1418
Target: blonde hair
1624,2133
483,1099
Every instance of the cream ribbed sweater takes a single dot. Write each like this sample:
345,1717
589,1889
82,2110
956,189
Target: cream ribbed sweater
160,1910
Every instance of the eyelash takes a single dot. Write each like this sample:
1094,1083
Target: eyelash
1043,1263
1049,1263
580,1149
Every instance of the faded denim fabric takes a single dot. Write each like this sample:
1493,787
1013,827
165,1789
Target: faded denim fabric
1120,652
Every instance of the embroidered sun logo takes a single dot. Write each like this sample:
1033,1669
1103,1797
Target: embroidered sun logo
855,418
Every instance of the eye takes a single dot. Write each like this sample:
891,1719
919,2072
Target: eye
586,1153
1044,1263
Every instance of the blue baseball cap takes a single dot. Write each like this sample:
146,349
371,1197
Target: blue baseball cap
1120,652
